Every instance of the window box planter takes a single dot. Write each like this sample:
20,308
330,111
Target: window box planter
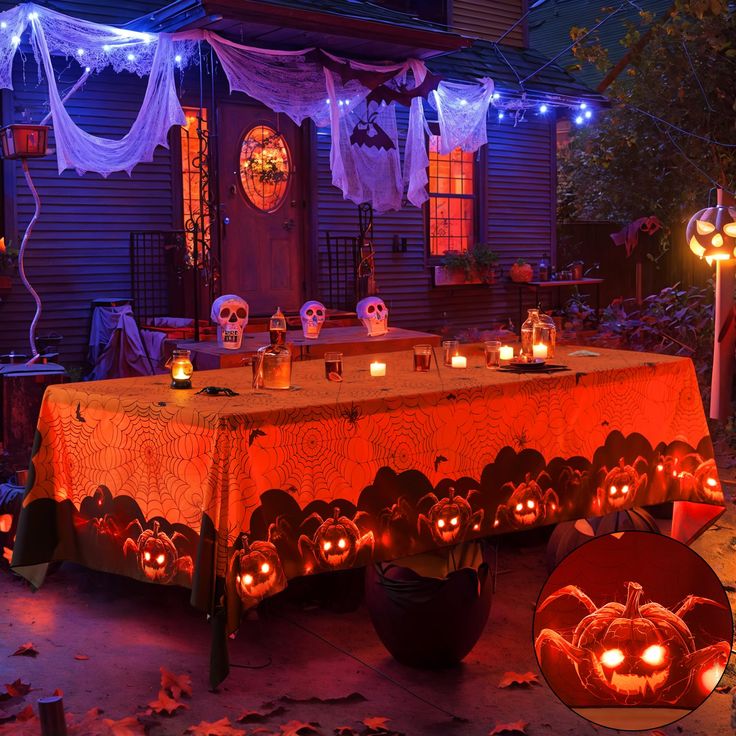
444,276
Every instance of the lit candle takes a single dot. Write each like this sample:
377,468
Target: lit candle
459,361
181,369
378,368
539,351
506,353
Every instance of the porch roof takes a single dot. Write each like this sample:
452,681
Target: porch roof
507,66
360,29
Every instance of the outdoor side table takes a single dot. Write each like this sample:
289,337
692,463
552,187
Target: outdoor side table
535,287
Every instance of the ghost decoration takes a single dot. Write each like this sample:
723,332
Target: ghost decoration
312,315
373,313
230,313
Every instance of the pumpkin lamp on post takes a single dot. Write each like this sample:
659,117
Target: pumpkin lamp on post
711,234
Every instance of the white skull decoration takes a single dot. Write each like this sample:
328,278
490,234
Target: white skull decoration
373,313
312,314
230,312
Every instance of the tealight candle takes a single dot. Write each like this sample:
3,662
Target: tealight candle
506,352
539,351
459,361
378,369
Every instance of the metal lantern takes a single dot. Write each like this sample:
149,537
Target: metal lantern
711,233
24,141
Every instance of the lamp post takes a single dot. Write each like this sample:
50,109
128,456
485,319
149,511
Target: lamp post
711,234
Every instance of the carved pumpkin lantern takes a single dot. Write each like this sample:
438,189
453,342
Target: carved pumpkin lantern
633,654
711,233
528,504
621,486
451,518
257,571
157,554
337,541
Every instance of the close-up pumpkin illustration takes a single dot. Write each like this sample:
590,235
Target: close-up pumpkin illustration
449,519
621,485
157,554
528,503
337,541
257,571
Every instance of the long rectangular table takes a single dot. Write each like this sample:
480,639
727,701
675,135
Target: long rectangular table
233,496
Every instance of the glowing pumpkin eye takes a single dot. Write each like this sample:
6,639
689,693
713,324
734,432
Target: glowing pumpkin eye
454,521
341,544
160,559
660,467
519,506
703,227
265,568
613,490
530,504
612,658
441,523
712,482
625,489
147,556
674,474
327,546
248,579
730,229
717,240
653,654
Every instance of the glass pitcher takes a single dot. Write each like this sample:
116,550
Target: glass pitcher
545,333
272,367
527,333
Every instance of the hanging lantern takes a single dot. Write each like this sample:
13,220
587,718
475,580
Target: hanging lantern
24,141
180,365
711,233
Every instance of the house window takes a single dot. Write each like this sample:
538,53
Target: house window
195,209
265,168
451,203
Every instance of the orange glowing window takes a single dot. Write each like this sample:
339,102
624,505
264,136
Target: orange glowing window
265,167
194,197
451,199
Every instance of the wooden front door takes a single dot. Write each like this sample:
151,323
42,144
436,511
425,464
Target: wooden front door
262,208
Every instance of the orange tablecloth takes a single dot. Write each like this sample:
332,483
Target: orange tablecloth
132,476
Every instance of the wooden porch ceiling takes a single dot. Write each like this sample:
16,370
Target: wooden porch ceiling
368,32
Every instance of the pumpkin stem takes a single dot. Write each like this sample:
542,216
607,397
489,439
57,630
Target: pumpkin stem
451,493
632,601
336,513
621,463
244,542
156,528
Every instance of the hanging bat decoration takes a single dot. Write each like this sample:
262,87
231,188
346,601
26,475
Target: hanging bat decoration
369,134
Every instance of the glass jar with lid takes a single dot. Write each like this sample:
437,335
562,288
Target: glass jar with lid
545,333
527,333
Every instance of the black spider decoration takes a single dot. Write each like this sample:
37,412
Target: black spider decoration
217,391
351,415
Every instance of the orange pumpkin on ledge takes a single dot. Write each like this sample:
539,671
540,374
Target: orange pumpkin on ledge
521,272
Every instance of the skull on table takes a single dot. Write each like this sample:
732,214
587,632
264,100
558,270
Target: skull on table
312,315
230,313
373,313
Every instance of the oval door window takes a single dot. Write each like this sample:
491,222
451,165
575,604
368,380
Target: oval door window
265,167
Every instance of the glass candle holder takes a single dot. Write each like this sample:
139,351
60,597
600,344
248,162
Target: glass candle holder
378,369
181,369
422,358
506,353
333,366
449,348
492,350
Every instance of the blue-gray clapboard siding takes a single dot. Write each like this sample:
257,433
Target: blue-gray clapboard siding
79,248
519,222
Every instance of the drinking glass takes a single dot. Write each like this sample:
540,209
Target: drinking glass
493,353
333,366
450,348
422,358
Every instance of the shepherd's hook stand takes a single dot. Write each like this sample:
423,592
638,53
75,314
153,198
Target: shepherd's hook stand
21,263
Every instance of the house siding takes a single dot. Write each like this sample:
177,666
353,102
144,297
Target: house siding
518,222
79,250
489,20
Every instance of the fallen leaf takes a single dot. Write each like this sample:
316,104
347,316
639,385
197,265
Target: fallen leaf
223,727
345,731
299,728
338,700
81,657
27,714
26,650
165,704
377,723
129,726
515,727
519,679
7,554
17,689
26,724
58,692
176,684
260,716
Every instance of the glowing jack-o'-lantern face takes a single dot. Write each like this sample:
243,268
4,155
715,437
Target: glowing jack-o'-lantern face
711,233
528,504
633,654
450,518
157,555
620,487
258,571
707,483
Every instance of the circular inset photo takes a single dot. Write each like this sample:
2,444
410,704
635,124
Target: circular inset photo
633,630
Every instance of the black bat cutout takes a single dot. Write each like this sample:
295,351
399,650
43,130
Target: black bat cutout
369,134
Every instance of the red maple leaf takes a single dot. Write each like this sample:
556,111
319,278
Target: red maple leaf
223,727
17,689
377,723
299,728
165,704
26,650
176,684
81,657
519,679
260,716
7,554
515,727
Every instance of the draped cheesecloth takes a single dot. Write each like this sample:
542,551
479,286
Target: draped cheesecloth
461,113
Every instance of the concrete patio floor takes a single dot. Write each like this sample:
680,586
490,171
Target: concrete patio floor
129,630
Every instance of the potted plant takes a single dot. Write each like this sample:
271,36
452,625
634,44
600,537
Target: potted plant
8,264
456,268
521,272
484,261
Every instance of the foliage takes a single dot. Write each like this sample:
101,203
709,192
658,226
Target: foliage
455,260
626,164
483,256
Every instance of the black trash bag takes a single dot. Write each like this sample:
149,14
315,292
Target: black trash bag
430,610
